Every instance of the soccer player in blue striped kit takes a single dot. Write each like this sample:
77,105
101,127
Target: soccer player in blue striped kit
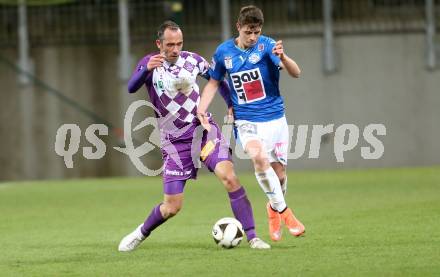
170,78
252,62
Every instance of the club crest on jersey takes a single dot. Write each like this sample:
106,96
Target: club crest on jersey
260,47
188,66
248,85
228,62
254,58
248,128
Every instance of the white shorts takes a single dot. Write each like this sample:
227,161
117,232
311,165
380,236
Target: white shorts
274,135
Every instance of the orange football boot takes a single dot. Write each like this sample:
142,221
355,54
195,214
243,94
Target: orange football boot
274,219
295,227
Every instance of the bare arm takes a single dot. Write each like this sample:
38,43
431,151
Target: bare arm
225,92
290,66
286,62
205,100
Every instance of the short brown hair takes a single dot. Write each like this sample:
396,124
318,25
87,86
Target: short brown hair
250,15
166,25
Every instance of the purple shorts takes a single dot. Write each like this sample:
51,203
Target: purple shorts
183,156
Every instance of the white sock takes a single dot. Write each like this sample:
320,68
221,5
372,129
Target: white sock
269,182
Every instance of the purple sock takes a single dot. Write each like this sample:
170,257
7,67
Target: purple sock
154,220
242,210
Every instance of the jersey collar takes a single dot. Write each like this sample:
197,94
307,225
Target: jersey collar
247,49
167,64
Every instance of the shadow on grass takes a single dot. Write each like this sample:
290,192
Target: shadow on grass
105,252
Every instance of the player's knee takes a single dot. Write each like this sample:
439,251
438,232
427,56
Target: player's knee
174,210
254,149
258,156
230,181
254,152
282,179
225,172
171,210
281,176
261,162
281,173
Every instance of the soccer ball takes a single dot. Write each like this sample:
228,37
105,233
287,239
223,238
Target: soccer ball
227,232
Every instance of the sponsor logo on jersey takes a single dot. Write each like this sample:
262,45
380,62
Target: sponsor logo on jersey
173,172
174,69
248,128
208,149
280,149
160,84
228,62
254,58
177,172
248,85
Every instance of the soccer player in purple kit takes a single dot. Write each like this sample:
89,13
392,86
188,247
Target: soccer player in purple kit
170,78
252,63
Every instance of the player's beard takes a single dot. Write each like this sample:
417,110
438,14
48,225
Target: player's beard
168,57
173,60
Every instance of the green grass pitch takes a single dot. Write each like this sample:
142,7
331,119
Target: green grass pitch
381,222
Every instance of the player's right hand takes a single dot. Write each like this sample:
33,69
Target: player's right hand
278,49
204,120
155,61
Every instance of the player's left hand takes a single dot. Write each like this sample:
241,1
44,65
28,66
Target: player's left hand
204,120
278,49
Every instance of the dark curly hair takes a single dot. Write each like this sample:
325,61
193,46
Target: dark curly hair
250,15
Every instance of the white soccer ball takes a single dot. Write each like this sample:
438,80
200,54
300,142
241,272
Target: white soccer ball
227,232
